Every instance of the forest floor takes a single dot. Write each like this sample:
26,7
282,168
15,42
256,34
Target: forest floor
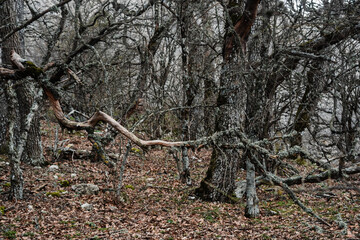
158,206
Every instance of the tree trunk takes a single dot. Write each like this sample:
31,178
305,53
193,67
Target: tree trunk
7,23
190,81
310,99
219,183
33,153
16,177
252,207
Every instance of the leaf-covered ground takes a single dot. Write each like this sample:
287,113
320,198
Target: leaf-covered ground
158,206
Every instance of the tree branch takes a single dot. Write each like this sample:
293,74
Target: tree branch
34,18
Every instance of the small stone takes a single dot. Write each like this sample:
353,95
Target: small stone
272,213
87,206
53,168
44,212
87,189
191,198
73,175
113,208
30,207
56,177
150,179
318,229
4,164
37,167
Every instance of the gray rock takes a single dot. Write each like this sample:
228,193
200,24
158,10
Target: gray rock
73,175
87,206
53,168
4,164
84,188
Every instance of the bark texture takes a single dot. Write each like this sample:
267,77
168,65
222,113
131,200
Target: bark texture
24,92
219,183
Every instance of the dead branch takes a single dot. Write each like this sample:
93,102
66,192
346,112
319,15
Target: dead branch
278,181
6,72
17,60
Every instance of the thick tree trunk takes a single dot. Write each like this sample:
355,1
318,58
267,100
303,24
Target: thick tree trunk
33,153
219,183
7,23
16,177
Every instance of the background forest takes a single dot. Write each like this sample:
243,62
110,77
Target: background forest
256,105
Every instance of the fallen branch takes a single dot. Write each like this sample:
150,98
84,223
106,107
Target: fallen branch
278,181
332,173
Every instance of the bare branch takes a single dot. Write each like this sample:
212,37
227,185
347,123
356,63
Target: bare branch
33,19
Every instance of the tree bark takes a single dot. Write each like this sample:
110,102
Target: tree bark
24,92
7,23
219,183
314,89
16,176
252,207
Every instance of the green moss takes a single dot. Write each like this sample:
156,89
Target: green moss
211,215
64,183
7,184
130,186
55,193
2,210
9,234
135,150
33,70
300,161
29,234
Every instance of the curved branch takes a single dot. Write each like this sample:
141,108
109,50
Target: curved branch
101,116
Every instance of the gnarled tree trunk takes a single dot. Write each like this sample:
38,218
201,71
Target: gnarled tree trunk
219,182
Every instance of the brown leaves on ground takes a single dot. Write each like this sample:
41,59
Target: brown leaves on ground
157,206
